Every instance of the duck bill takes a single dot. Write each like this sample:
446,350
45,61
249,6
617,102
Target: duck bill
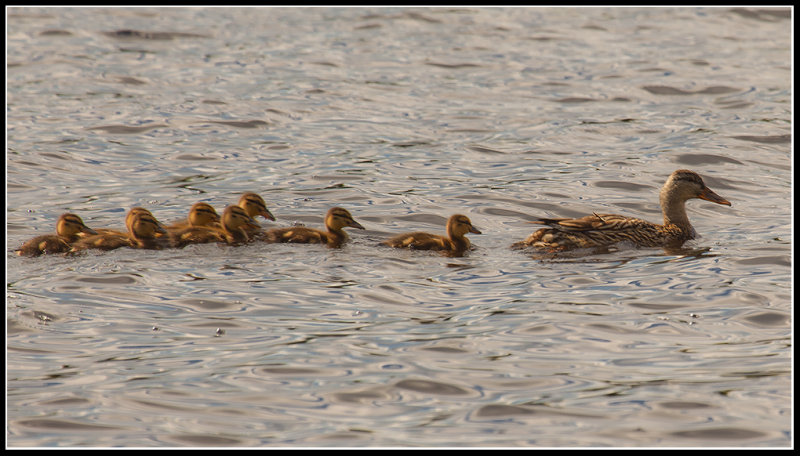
252,224
472,229
355,224
267,215
709,195
87,230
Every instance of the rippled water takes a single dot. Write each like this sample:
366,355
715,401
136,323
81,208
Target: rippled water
403,116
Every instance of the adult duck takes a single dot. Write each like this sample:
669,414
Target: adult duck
605,230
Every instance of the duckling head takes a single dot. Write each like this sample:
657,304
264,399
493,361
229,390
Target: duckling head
129,218
69,225
338,218
203,214
458,225
234,219
254,205
142,224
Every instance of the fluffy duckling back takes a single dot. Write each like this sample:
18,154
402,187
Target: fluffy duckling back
200,214
143,228
455,244
604,230
336,219
69,228
234,230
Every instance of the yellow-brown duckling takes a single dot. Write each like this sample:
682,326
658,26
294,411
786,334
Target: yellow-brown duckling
143,228
254,205
69,229
128,220
336,219
455,244
604,230
234,228
200,214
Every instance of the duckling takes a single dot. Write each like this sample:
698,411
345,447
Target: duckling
69,229
128,220
336,219
604,230
235,226
455,244
254,205
142,230
200,214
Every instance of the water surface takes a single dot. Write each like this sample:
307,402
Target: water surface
404,116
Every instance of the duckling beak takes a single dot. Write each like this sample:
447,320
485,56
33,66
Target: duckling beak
709,195
355,224
267,215
160,228
472,229
87,230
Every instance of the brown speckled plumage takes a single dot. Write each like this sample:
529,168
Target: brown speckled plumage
456,242
604,230
336,219
69,229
